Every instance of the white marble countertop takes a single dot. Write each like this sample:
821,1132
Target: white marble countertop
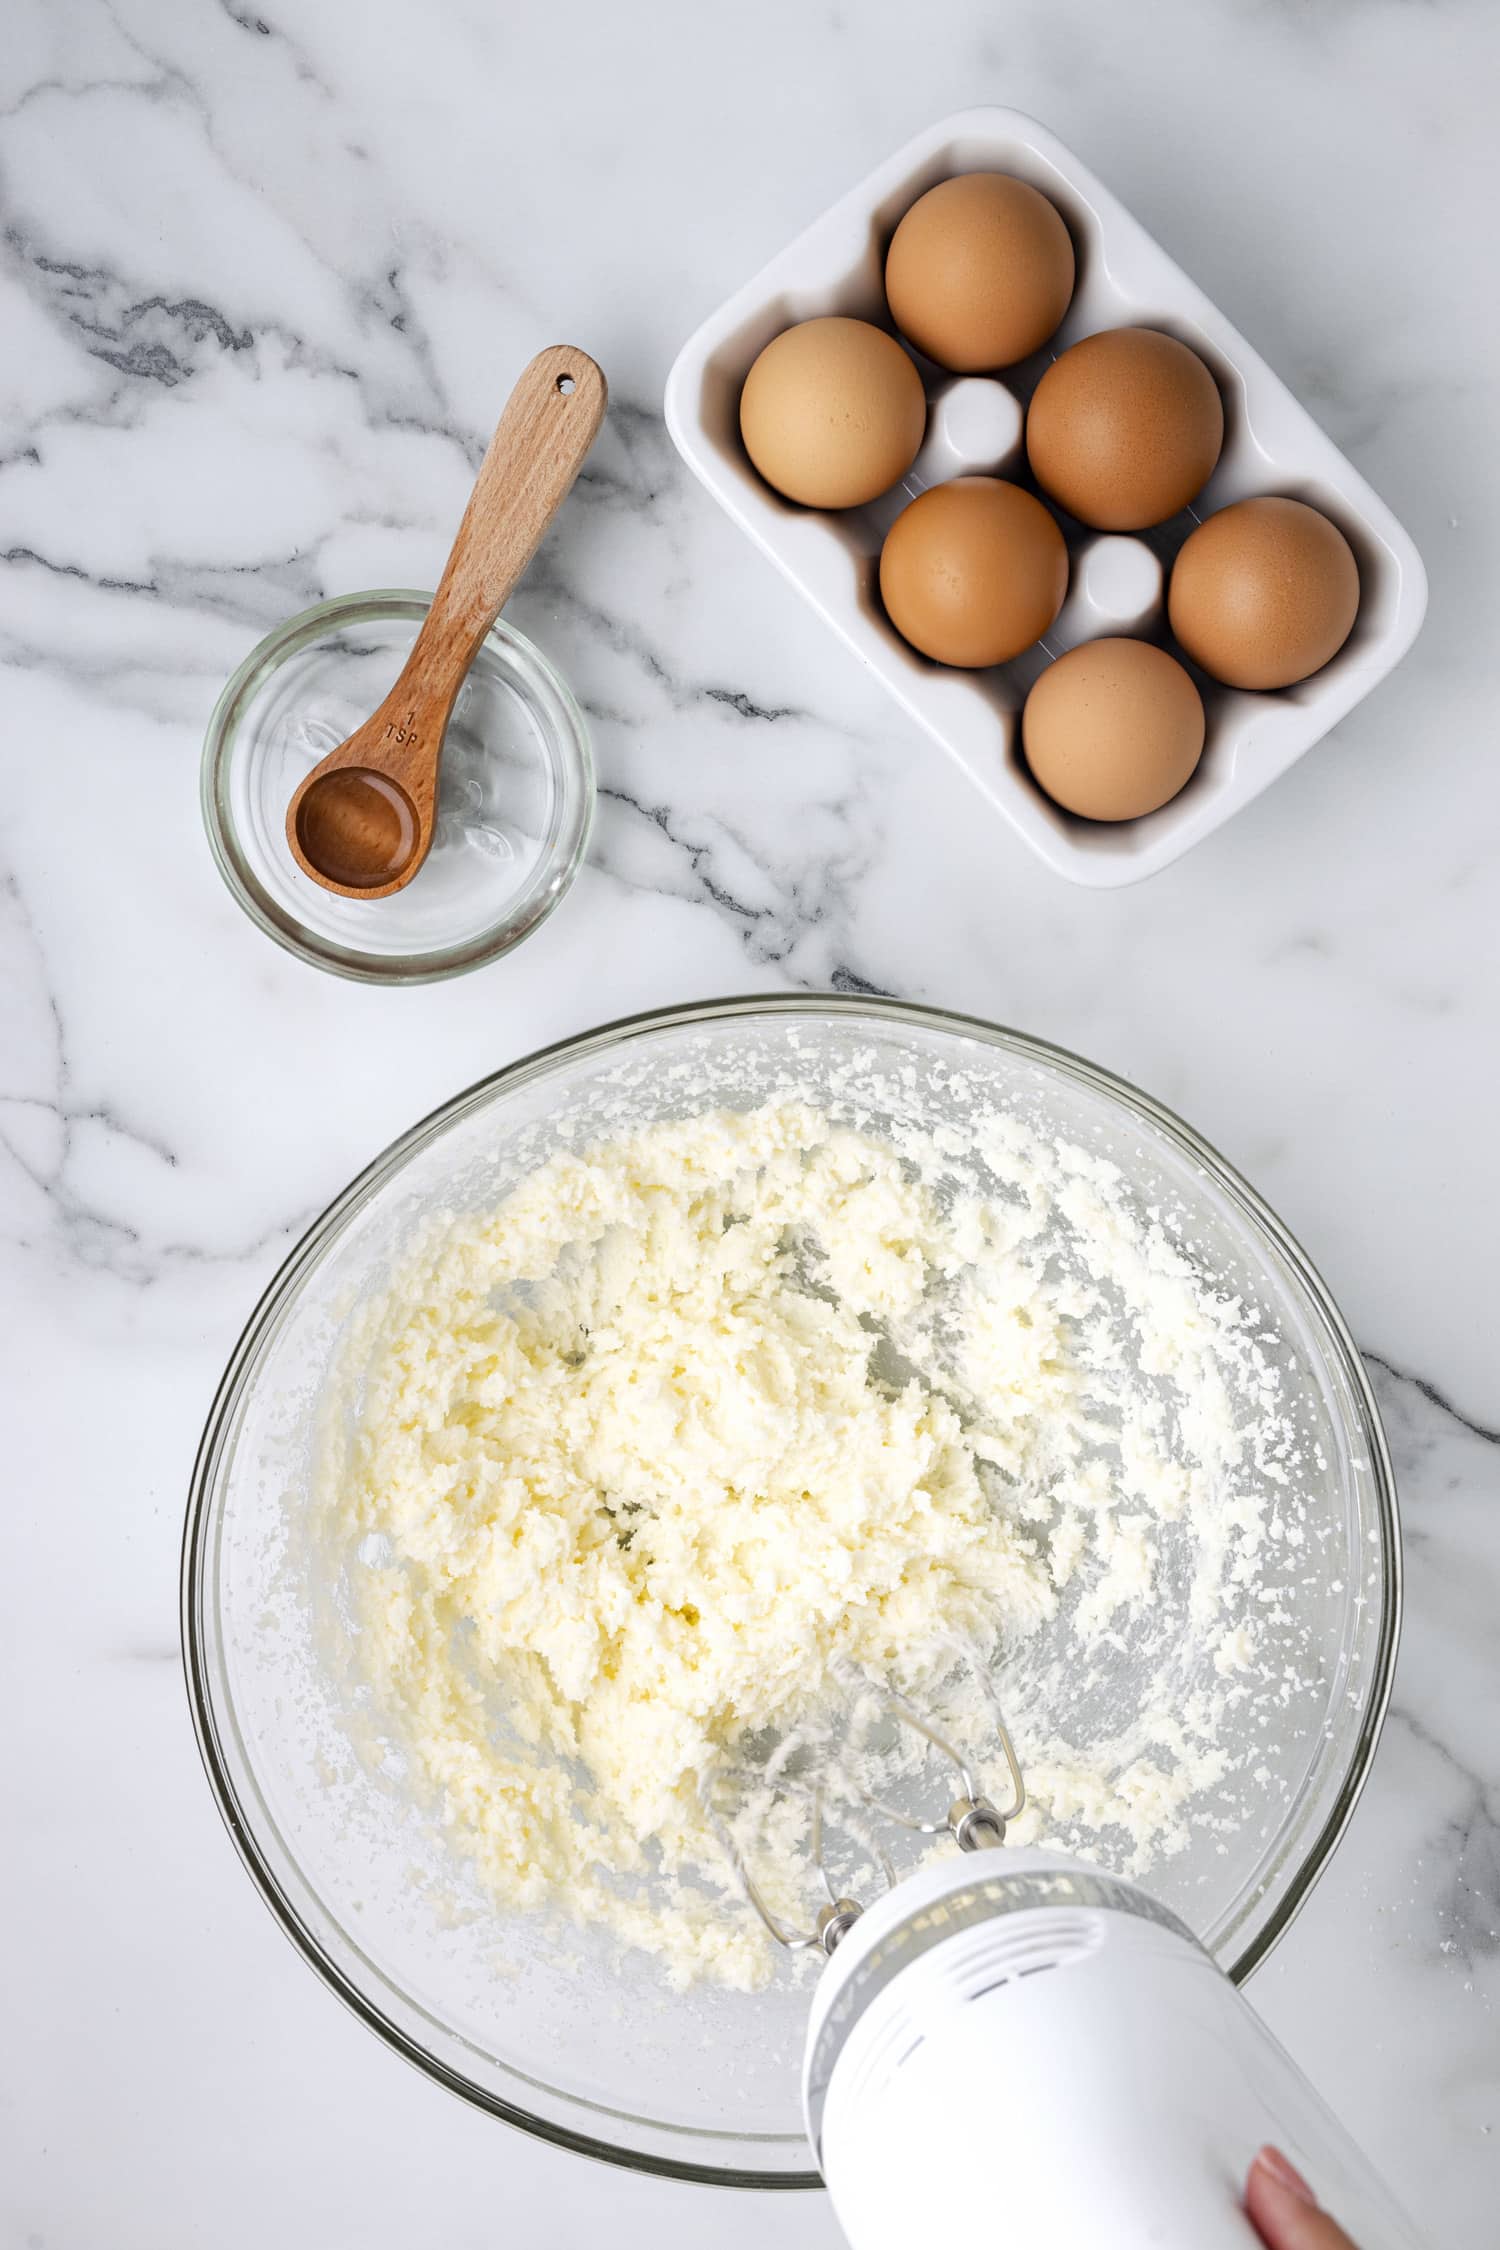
268,273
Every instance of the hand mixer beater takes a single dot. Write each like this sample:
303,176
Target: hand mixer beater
1024,2041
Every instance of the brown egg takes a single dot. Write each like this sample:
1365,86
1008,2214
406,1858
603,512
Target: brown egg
1263,593
1125,428
832,412
973,571
979,272
1113,729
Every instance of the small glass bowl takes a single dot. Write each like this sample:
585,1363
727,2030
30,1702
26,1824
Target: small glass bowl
515,799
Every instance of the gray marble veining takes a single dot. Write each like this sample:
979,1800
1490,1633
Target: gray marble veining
265,277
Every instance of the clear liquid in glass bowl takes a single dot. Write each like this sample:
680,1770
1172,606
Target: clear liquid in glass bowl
515,795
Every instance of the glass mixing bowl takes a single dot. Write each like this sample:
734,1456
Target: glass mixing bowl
558,2037
515,793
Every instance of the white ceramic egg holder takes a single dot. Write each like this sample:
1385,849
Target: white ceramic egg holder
1271,444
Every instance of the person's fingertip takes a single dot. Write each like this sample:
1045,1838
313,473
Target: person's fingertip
1284,2173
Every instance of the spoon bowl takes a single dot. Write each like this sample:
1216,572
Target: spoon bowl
358,828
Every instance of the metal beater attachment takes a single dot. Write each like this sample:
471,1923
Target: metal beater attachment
974,1823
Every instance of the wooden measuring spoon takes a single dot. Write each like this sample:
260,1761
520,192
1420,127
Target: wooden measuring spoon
361,822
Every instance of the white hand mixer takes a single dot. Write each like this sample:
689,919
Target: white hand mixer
1021,2019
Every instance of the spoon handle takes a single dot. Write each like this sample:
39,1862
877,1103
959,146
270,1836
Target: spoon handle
550,420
